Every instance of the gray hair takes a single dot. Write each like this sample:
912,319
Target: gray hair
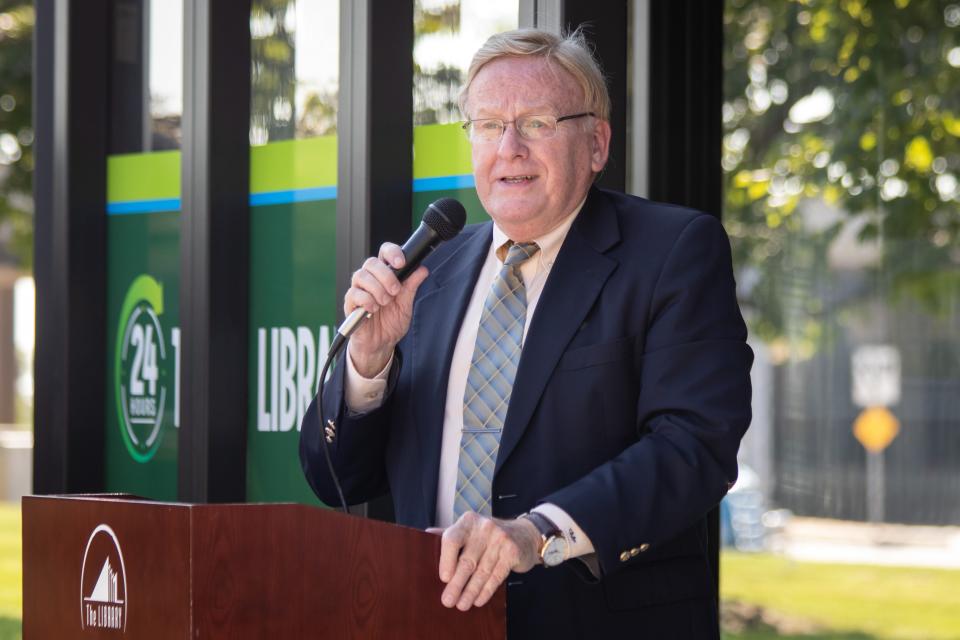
570,52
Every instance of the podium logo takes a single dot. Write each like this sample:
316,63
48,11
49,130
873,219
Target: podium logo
140,367
103,583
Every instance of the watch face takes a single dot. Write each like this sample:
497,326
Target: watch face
554,552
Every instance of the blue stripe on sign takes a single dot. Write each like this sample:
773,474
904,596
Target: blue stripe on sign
142,206
293,195
441,183
444,183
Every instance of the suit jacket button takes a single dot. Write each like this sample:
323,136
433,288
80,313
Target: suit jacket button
644,547
624,556
634,552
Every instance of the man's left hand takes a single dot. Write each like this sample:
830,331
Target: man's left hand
477,554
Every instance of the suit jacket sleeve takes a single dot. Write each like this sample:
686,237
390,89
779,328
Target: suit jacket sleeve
358,449
693,407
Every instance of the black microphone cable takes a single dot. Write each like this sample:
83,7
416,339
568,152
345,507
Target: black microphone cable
331,355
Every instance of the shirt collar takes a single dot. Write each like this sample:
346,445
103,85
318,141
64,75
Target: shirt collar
549,242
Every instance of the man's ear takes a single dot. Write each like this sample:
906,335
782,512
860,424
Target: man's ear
600,145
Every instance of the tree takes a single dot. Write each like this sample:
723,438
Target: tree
849,107
16,132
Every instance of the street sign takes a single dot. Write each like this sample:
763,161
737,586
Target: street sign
876,428
876,376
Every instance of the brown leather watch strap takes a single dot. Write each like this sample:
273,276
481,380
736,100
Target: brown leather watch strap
544,525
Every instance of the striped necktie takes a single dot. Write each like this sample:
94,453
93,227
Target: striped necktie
490,381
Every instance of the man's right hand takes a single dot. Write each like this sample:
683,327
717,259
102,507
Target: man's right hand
375,288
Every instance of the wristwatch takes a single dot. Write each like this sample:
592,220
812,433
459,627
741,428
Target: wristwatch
553,546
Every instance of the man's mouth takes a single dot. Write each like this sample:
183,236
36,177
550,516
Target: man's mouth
517,179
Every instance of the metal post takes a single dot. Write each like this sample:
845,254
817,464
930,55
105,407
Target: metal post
375,140
70,98
638,134
214,247
686,93
876,486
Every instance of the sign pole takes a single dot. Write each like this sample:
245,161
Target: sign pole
876,486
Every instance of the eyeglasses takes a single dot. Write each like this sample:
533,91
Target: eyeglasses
532,127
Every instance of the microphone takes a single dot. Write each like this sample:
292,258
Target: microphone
442,221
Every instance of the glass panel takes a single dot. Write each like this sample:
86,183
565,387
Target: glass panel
143,247
446,35
17,294
166,73
840,156
293,189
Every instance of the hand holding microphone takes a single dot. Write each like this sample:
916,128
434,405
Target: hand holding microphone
379,303
375,290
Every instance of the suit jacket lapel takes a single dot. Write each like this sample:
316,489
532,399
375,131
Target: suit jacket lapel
575,281
437,317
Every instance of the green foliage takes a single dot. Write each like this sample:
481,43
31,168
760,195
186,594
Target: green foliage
444,18
850,104
16,132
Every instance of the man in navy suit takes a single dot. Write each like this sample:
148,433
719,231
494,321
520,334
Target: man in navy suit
574,449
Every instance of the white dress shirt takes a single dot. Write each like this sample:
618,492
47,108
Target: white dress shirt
365,394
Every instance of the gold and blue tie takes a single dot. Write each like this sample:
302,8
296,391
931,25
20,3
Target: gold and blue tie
490,381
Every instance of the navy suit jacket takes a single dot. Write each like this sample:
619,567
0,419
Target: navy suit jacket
628,406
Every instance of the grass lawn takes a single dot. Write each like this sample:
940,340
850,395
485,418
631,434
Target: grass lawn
11,571
845,602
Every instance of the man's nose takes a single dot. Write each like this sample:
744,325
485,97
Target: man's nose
512,144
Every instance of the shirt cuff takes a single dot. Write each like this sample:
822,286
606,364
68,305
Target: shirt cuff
364,394
579,543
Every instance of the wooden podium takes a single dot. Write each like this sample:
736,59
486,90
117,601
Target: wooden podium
117,566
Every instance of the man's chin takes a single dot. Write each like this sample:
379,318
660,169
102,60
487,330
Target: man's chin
507,210
513,219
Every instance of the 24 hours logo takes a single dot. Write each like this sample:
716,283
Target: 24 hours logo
140,369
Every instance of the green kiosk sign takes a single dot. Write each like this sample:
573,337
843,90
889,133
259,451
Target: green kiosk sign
143,335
